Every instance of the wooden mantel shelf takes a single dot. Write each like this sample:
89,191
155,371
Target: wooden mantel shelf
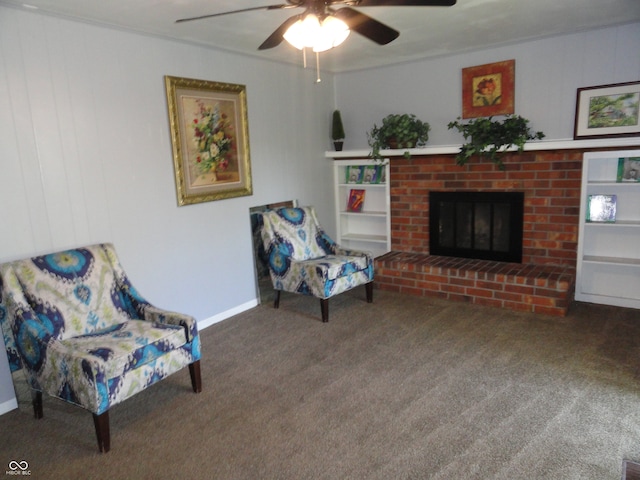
531,146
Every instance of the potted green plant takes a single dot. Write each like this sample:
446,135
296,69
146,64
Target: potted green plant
490,138
398,131
337,131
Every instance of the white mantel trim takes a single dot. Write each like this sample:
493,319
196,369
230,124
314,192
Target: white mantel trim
531,146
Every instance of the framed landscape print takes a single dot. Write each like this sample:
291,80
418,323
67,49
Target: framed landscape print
608,111
488,90
210,139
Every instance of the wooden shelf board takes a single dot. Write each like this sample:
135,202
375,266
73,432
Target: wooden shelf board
612,260
565,144
617,223
365,238
365,213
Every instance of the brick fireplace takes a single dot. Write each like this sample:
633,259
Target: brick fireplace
473,224
542,283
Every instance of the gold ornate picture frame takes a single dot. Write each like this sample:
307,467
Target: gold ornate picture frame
210,138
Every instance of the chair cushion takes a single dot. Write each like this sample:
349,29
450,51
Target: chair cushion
129,345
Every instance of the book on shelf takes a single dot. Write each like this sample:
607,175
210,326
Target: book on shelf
628,169
382,173
356,200
354,174
371,174
601,208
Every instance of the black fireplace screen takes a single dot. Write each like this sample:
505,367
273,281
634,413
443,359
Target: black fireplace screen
483,225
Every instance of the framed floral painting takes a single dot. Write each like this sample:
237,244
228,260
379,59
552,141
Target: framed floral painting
210,139
488,90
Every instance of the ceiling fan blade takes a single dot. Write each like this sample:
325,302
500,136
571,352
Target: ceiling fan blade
404,3
265,7
367,26
276,37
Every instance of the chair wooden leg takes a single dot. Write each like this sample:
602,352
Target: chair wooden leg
276,300
324,307
196,380
37,404
369,289
102,431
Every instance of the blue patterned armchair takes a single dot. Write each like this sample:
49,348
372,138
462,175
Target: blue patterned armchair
82,332
303,259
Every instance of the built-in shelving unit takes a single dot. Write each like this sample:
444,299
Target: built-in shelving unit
370,228
608,263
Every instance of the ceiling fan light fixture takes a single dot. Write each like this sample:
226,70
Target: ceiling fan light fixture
310,33
333,32
294,35
303,33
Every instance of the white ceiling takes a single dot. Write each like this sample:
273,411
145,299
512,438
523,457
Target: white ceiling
424,31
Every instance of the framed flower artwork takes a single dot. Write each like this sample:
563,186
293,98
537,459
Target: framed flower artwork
488,90
210,139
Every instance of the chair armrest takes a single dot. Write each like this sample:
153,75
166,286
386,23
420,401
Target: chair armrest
161,316
337,250
150,313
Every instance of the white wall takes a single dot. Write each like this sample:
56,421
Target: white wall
85,156
548,73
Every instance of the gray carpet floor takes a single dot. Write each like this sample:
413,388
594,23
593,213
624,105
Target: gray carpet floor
404,388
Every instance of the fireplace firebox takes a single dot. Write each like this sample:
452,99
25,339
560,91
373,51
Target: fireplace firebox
482,225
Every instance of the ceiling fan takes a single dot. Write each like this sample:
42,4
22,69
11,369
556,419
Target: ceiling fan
322,11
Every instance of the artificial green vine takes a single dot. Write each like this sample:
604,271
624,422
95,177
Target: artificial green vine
488,138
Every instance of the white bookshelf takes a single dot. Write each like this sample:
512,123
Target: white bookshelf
369,229
608,263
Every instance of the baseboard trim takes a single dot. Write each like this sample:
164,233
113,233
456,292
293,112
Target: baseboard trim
207,322
7,406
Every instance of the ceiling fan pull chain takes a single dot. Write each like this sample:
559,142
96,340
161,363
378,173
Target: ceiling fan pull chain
318,79
304,57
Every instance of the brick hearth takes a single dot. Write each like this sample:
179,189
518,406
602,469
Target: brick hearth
537,288
544,281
